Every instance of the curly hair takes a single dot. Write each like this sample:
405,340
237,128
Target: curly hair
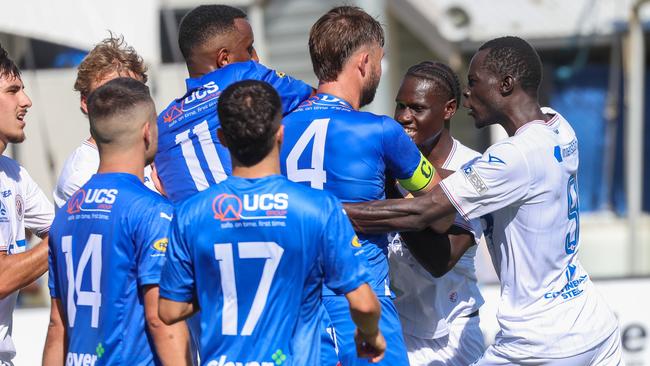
110,55
250,113
8,67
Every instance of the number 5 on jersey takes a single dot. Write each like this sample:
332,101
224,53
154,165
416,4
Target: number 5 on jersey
315,175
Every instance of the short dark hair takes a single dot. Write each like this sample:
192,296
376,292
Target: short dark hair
250,113
118,96
8,67
337,35
514,56
444,78
203,23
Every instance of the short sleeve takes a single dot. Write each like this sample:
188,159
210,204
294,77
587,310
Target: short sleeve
498,179
403,159
344,264
177,277
38,210
51,275
152,238
292,91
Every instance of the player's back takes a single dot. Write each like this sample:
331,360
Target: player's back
329,145
96,268
190,157
257,249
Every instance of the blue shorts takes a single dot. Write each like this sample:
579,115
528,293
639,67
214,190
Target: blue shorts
389,324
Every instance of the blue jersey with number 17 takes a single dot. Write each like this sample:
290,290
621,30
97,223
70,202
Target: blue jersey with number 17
255,254
106,243
190,158
329,145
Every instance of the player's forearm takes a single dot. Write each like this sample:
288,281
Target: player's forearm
364,309
172,341
19,270
433,251
54,350
431,210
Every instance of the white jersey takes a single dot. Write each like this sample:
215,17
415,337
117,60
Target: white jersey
526,190
77,170
22,206
428,305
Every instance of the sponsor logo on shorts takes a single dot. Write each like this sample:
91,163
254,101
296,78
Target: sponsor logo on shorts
475,180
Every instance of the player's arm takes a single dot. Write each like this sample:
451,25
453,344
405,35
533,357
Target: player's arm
366,311
19,270
171,341
438,253
54,351
432,209
172,312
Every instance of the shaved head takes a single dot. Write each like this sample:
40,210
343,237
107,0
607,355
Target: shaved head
118,112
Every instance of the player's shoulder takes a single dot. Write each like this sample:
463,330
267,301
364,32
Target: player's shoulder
10,167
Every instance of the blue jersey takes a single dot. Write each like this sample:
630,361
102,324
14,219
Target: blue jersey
106,243
329,145
255,253
190,158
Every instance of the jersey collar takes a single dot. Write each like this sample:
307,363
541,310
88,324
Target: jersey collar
331,99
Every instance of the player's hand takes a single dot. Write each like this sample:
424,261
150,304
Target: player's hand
370,346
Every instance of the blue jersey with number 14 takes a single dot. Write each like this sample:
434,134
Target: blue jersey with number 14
106,243
190,157
255,253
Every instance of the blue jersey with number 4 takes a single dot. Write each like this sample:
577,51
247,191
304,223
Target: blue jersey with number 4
255,253
329,145
106,243
190,157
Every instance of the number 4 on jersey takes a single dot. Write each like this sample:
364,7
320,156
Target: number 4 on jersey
315,175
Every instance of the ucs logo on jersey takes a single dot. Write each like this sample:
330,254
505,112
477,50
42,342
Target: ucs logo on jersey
101,200
197,98
228,207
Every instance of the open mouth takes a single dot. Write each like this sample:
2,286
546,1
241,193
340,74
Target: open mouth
21,116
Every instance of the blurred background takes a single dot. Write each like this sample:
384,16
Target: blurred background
595,60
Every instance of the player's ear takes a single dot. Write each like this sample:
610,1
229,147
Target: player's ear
279,135
84,105
507,85
221,137
450,108
363,63
223,57
147,134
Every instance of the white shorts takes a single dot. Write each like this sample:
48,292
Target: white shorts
606,353
463,345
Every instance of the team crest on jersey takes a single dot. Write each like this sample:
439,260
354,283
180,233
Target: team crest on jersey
475,180
229,207
92,200
20,207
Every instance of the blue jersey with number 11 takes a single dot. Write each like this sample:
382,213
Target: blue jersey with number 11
190,157
106,243
255,253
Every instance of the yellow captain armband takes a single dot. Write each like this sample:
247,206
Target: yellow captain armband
421,177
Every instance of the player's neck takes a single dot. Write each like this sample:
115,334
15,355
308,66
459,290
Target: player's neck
521,113
270,165
341,90
122,162
438,150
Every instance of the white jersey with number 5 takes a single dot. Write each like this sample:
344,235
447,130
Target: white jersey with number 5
525,189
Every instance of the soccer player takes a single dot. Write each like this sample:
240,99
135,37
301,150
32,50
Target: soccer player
217,44
109,59
331,145
525,187
22,206
107,246
254,251
438,302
